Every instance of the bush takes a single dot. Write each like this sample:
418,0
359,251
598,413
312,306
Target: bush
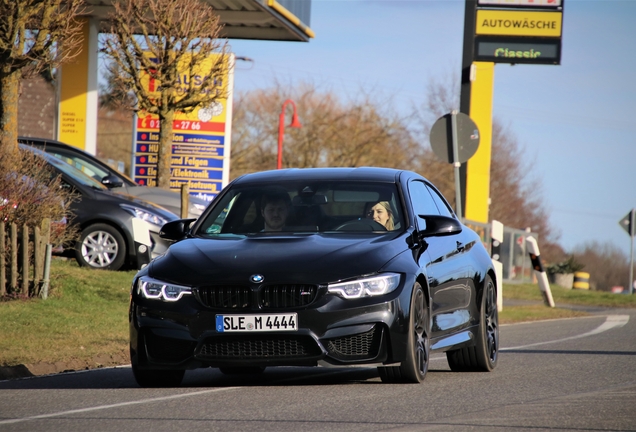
30,192
568,266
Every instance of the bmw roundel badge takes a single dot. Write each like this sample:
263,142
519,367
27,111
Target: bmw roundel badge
257,278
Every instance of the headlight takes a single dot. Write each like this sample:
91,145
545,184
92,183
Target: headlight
153,289
144,215
367,287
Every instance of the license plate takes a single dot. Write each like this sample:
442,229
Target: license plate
256,323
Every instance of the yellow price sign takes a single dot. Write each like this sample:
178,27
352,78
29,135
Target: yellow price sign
518,23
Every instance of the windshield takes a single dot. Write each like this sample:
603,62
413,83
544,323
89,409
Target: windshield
306,207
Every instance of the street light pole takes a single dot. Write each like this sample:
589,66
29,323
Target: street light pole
281,129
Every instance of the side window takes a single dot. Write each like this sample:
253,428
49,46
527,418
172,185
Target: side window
422,201
441,203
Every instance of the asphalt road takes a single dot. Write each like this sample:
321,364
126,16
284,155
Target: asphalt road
562,375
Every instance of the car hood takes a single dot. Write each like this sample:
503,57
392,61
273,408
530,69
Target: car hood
314,258
169,199
121,198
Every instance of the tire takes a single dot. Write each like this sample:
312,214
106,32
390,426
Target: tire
158,378
101,246
413,369
252,370
484,355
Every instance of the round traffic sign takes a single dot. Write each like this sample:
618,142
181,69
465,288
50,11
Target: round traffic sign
441,137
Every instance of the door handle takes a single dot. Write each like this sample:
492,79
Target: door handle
460,247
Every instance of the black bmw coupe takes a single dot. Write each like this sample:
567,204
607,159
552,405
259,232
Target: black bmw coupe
321,266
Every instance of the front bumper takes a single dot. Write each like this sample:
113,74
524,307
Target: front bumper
332,331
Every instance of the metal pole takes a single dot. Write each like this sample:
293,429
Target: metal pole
281,129
470,14
632,220
457,165
281,135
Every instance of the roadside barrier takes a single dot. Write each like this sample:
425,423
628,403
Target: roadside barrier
542,277
497,236
581,280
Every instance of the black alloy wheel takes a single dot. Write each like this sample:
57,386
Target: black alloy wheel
415,366
484,355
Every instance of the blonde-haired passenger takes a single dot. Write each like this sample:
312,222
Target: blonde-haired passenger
382,214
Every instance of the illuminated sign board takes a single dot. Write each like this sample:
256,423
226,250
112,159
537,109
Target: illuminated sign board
518,50
523,3
518,23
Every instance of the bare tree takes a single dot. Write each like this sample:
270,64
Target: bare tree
605,262
170,42
112,96
34,35
334,132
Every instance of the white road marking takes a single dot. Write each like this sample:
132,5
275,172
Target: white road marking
117,405
612,321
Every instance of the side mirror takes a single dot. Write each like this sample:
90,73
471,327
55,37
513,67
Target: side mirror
112,181
176,230
439,226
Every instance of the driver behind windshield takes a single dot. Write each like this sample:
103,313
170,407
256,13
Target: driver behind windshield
381,213
275,209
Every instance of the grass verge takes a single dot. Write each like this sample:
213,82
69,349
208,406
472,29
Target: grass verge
84,322
561,296
514,314
569,296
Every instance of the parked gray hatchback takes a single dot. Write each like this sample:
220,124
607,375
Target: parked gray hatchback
115,180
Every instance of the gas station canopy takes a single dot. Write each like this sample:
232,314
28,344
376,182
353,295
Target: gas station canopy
283,20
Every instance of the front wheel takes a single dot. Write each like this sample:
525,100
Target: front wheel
101,246
483,356
413,369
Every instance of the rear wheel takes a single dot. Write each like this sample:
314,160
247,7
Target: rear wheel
413,369
101,246
483,356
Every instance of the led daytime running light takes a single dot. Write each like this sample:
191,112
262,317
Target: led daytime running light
157,290
367,287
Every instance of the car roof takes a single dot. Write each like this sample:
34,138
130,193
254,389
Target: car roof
388,175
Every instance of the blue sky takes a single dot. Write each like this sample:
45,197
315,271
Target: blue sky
576,121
